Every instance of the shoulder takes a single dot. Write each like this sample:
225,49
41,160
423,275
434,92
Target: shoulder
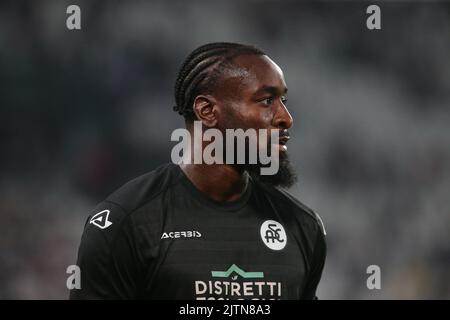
289,205
305,219
302,208
131,205
145,188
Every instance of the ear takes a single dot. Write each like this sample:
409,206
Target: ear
205,108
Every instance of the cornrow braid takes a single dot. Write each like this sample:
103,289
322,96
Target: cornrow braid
201,70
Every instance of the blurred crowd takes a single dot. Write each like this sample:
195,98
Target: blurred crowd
84,111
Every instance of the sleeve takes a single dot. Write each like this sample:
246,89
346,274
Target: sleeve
108,257
318,263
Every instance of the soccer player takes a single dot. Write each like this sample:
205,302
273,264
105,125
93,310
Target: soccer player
217,231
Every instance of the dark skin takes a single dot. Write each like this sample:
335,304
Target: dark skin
251,95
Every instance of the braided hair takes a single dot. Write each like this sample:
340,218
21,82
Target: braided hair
201,71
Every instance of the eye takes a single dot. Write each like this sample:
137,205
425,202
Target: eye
284,100
267,101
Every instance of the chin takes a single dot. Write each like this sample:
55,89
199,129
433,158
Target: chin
286,176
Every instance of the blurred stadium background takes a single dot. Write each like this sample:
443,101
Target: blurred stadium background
82,112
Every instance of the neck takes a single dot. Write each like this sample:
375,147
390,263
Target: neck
220,182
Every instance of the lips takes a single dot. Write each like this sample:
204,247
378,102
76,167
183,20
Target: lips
284,140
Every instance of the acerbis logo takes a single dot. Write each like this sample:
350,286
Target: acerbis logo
101,219
273,235
181,234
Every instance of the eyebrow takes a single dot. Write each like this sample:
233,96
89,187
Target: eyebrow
270,89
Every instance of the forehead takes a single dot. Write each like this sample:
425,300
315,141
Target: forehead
253,72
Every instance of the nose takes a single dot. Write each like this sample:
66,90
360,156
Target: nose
283,118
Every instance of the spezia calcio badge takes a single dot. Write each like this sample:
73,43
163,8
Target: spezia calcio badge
273,235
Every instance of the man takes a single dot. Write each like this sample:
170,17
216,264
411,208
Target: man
210,231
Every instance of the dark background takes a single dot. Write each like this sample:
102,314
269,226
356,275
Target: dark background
82,112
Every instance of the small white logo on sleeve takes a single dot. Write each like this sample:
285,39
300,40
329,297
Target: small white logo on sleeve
273,235
101,219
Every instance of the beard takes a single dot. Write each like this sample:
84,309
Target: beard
285,177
